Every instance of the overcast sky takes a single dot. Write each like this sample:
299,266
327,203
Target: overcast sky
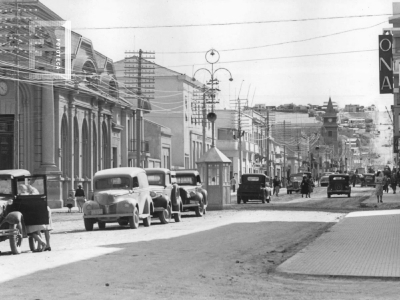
272,73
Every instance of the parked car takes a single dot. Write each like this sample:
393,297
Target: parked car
194,197
120,195
18,210
369,179
294,183
254,187
165,195
339,184
324,181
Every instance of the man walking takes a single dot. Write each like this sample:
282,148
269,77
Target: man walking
233,183
277,185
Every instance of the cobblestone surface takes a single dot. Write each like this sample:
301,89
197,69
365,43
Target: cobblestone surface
362,244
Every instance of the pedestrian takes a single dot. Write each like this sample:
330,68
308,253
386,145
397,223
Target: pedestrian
393,182
311,186
36,232
386,180
379,186
354,179
304,187
277,185
80,197
233,183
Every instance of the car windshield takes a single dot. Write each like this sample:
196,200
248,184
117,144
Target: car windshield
112,183
296,178
5,186
338,178
186,180
156,179
252,179
324,178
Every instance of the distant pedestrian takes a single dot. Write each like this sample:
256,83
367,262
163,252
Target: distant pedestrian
379,186
393,182
277,185
80,197
311,186
304,187
386,182
233,183
354,179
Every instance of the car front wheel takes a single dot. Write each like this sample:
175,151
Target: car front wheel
165,215
134,220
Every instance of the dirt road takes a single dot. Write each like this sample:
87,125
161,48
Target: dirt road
228,254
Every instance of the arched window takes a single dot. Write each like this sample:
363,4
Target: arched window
76,147
64,146
85,150
94,153
105,155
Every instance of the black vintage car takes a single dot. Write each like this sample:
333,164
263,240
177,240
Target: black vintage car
254,187
194,197
23,201
294,182
339,184
369,179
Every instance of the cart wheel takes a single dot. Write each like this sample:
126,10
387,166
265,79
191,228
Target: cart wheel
15,240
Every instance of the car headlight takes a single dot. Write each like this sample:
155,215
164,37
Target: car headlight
89,207
153,194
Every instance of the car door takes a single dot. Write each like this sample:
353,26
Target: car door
32,203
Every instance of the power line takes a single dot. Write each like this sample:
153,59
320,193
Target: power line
232,23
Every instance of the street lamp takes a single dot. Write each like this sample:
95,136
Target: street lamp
212,57
317,149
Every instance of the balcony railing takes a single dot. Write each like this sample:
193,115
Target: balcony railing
132,146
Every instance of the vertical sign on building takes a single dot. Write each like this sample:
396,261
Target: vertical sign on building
385,64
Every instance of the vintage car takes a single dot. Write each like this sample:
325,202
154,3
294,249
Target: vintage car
254,187
194,197
23,202
369,179
294,182
324,181
120,195
165,194
339,184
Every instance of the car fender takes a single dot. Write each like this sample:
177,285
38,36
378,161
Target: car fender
161,201
197,196
204,194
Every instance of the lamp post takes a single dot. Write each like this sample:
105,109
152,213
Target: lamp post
212,57
317,148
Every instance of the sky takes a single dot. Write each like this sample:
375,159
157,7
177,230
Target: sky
274,54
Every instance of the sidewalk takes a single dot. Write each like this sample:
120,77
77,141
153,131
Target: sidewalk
363,244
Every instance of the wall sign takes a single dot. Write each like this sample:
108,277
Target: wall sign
385,64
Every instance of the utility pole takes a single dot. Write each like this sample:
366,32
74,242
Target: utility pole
139,78
17,113
204,121
268,169
284,152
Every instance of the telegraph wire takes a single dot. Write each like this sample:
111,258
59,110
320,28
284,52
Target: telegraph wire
233,23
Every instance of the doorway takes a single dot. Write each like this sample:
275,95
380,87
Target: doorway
6,142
